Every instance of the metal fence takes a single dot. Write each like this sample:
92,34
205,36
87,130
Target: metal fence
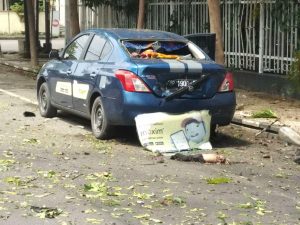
106,16
253,38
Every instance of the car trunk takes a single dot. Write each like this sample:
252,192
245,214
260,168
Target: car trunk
168,76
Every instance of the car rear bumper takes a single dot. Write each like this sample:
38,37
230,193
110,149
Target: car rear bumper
123,111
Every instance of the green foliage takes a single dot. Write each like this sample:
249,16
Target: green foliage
130,6
17,8
284,12
266,113
294,73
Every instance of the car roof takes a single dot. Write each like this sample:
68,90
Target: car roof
120,33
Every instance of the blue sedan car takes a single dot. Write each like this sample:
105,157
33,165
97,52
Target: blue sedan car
112,75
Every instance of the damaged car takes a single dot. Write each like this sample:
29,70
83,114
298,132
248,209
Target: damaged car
112,75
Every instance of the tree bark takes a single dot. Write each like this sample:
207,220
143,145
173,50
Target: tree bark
48,45
216,27
27,42
141,15
74,18
32,33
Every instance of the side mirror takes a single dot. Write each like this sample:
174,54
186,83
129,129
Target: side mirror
54,54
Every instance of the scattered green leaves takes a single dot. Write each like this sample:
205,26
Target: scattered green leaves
94,221
103,176
265,113
101,146
172,200
98,187
13,180
218,180
142,196
32,141
5,164
247,205
256,204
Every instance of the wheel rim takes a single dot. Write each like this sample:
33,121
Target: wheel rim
98,118
43,100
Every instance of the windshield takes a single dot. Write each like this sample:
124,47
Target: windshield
162,50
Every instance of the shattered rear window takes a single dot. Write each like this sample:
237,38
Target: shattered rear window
159,49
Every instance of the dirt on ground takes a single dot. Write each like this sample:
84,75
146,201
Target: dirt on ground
53,171
286,109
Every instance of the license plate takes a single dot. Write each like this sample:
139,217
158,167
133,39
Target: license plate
179,83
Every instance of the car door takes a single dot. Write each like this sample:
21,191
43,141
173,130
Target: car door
61,77
87,71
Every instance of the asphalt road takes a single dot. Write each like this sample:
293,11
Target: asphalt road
54,172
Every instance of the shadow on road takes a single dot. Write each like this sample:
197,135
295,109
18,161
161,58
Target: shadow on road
128,135
224,141
123,134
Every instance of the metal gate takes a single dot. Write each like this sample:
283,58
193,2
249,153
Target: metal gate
105,16
253,38
178,16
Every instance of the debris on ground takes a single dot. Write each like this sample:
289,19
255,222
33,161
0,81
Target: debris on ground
202,158
28,114
46,212
266,113
297,156
266,128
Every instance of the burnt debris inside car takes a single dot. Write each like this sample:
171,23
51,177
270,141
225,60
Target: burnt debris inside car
158,49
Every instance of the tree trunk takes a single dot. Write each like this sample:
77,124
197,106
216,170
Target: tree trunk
141,15
74,18
36,19
27,42
48,45
32,33
216,27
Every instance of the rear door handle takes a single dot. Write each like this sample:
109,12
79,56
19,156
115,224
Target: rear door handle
68,72
93,74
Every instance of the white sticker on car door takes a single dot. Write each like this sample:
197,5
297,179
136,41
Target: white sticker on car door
64,88
80,90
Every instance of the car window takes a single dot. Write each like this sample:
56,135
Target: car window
75,49
95,48
161,50
106,50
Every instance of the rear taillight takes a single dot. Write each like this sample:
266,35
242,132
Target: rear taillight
131,82
227,84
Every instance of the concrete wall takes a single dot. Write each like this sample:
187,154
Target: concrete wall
11,23
271,83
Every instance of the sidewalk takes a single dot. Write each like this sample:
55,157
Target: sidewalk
12,45
287,124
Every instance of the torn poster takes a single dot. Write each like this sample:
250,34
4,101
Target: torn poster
163,132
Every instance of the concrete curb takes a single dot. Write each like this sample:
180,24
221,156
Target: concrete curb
26,69
284,133
256,124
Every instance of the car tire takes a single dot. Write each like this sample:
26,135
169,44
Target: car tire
45,106
100,126
213,130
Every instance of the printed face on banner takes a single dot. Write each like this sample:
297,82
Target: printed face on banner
194,130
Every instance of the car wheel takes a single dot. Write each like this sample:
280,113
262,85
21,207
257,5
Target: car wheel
101,128
45,107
